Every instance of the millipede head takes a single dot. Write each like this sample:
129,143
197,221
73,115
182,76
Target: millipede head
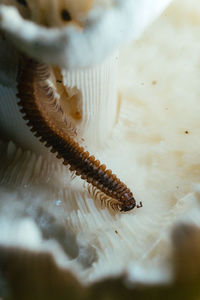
127,201
127,208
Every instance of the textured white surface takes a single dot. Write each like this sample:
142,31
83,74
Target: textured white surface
154,149
96,84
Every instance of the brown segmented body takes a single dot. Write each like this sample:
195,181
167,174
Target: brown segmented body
47,120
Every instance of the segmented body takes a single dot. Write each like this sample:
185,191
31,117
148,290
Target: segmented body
47,121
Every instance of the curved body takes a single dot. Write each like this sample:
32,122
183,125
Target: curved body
47,120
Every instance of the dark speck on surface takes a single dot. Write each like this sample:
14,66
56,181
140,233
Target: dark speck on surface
65,15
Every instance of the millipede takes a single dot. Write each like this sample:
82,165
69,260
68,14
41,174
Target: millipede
40,106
